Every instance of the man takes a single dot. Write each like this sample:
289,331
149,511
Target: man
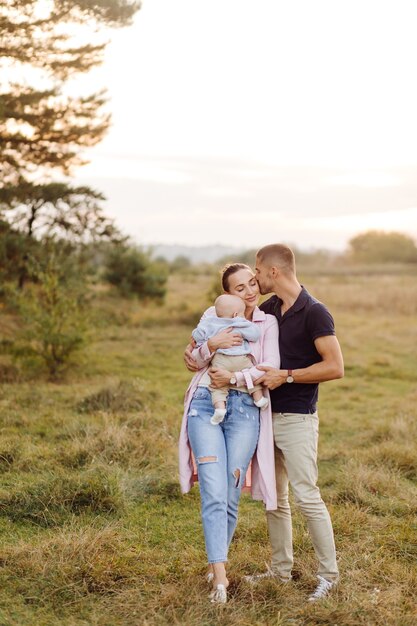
310,354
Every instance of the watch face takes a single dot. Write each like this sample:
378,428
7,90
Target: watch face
233,381
290,379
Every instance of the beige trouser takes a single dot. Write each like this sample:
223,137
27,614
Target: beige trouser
296,439
232,363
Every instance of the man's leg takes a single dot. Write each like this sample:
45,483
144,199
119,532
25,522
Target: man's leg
280,524
296,435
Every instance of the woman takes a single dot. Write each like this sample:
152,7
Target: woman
223,452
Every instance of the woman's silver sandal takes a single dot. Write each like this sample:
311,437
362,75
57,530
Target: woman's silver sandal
210,577
219,595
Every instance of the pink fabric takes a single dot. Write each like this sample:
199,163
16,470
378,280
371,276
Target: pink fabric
264,352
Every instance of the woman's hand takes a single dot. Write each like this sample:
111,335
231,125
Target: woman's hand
220,377
190,363
227,338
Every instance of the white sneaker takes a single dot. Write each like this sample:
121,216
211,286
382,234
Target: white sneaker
218,416
262,403
322,590
256,578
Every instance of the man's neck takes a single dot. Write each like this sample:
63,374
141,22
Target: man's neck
288,292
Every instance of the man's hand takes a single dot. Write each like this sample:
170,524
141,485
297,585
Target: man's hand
190,363
219,377
272,378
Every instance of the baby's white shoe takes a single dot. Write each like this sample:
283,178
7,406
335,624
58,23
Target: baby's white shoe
218,416
262,403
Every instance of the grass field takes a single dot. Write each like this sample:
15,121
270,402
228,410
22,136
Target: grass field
93,529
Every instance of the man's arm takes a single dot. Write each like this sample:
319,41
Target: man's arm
329,368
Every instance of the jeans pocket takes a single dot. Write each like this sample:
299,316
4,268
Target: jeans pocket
201,393
201,404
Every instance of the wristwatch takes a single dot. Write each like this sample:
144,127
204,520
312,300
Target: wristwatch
290,377
233,380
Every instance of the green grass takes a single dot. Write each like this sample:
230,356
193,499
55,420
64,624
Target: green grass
94,530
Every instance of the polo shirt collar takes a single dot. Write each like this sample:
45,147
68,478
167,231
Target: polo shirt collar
301,300
299,304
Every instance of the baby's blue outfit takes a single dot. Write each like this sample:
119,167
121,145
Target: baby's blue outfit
210,326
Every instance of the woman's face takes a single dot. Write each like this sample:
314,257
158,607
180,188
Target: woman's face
243,284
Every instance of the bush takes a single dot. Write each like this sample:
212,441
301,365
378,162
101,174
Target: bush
380,247
134,274
54,316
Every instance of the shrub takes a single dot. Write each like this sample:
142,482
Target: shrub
381,247
134,274
54,316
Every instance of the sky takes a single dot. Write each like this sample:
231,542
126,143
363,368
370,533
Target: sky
245,123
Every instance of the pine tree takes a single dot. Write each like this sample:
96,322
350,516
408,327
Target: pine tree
43,129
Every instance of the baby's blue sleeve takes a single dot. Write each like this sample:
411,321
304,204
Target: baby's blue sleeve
250,331
199,334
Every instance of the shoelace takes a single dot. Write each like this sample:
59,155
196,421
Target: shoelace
323,588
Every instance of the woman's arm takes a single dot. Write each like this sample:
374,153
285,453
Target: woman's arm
226,338
196,358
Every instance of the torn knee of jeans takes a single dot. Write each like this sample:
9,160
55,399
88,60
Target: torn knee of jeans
206,459
236,475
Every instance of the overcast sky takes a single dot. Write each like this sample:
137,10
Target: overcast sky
243,122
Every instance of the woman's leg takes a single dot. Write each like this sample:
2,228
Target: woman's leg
241,430
208,445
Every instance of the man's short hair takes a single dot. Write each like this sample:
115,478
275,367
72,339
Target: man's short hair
277,255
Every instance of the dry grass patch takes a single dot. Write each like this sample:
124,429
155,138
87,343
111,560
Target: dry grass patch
120,397
397,457
375,489
70,565
49,501
128,442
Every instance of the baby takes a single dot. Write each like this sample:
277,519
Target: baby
230,311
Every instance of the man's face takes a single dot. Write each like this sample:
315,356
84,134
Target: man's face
263,277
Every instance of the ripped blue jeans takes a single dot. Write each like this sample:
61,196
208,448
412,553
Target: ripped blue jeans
222,454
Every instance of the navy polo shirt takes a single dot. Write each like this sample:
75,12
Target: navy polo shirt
304,322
